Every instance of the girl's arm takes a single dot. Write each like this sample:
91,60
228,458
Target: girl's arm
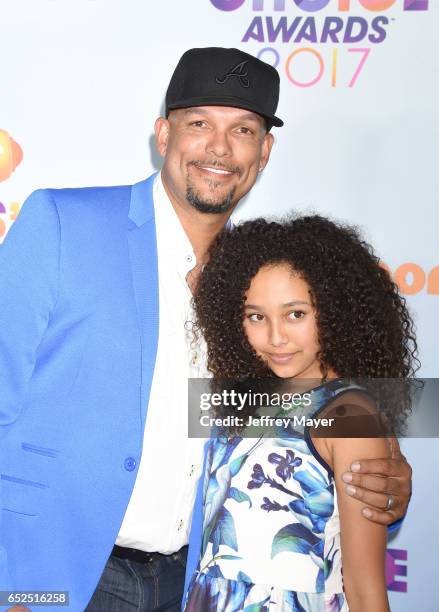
363,544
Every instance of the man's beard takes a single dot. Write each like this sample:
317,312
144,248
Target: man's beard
209,207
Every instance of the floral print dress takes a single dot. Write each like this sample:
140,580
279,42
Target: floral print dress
271,530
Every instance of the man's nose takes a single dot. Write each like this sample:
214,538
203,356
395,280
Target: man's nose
219,144
278,335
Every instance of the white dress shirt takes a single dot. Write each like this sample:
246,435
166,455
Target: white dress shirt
159,513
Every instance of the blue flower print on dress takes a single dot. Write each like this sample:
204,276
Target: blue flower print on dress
335,604
285,465
312,511
226,595
275,506
305,602
258,477
218,524
318,499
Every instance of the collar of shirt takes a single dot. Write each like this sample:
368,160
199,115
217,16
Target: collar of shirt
170,233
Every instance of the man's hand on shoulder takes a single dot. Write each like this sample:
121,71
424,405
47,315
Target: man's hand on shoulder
383,484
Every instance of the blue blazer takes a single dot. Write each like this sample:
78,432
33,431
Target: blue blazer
78,340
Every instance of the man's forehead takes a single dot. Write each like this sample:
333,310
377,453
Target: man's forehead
230,112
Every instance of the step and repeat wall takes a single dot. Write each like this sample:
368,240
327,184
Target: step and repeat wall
82,81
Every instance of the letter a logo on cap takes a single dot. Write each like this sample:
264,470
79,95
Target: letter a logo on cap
239,71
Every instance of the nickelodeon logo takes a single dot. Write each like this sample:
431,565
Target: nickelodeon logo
318,5
11,155
411,278
396,572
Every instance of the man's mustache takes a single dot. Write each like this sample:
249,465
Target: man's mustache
216,164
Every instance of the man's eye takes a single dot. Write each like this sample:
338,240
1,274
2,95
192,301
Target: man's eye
198,124
255,317
244,130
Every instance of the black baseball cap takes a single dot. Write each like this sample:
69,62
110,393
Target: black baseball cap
214,76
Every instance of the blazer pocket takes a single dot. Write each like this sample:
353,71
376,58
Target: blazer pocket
20,495
39,450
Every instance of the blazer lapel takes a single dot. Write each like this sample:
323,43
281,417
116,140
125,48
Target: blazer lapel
142,246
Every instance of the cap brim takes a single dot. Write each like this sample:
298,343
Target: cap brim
225,101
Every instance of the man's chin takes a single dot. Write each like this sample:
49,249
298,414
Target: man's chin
214,206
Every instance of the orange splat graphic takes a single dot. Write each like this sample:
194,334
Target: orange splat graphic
11,155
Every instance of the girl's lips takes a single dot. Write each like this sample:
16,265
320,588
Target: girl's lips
280,358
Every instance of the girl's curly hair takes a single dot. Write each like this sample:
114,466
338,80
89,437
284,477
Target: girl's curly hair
364,327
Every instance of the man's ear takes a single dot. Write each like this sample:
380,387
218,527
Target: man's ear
161,129
266,149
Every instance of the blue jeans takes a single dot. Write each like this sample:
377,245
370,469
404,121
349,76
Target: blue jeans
127,586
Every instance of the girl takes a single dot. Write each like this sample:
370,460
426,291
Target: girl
305,299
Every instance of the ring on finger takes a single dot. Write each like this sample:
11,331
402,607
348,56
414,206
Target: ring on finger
390,503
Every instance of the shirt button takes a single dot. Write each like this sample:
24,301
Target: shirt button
192,470
180,524
129,464
189,258
195,359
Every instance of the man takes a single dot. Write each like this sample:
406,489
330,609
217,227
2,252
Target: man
92,497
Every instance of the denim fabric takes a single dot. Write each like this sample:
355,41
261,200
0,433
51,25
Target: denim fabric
127,586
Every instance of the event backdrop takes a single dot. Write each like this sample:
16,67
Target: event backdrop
81,82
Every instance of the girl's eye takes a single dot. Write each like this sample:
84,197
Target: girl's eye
296,314
255,317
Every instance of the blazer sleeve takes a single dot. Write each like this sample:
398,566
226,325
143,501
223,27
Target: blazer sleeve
29,265
29,268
